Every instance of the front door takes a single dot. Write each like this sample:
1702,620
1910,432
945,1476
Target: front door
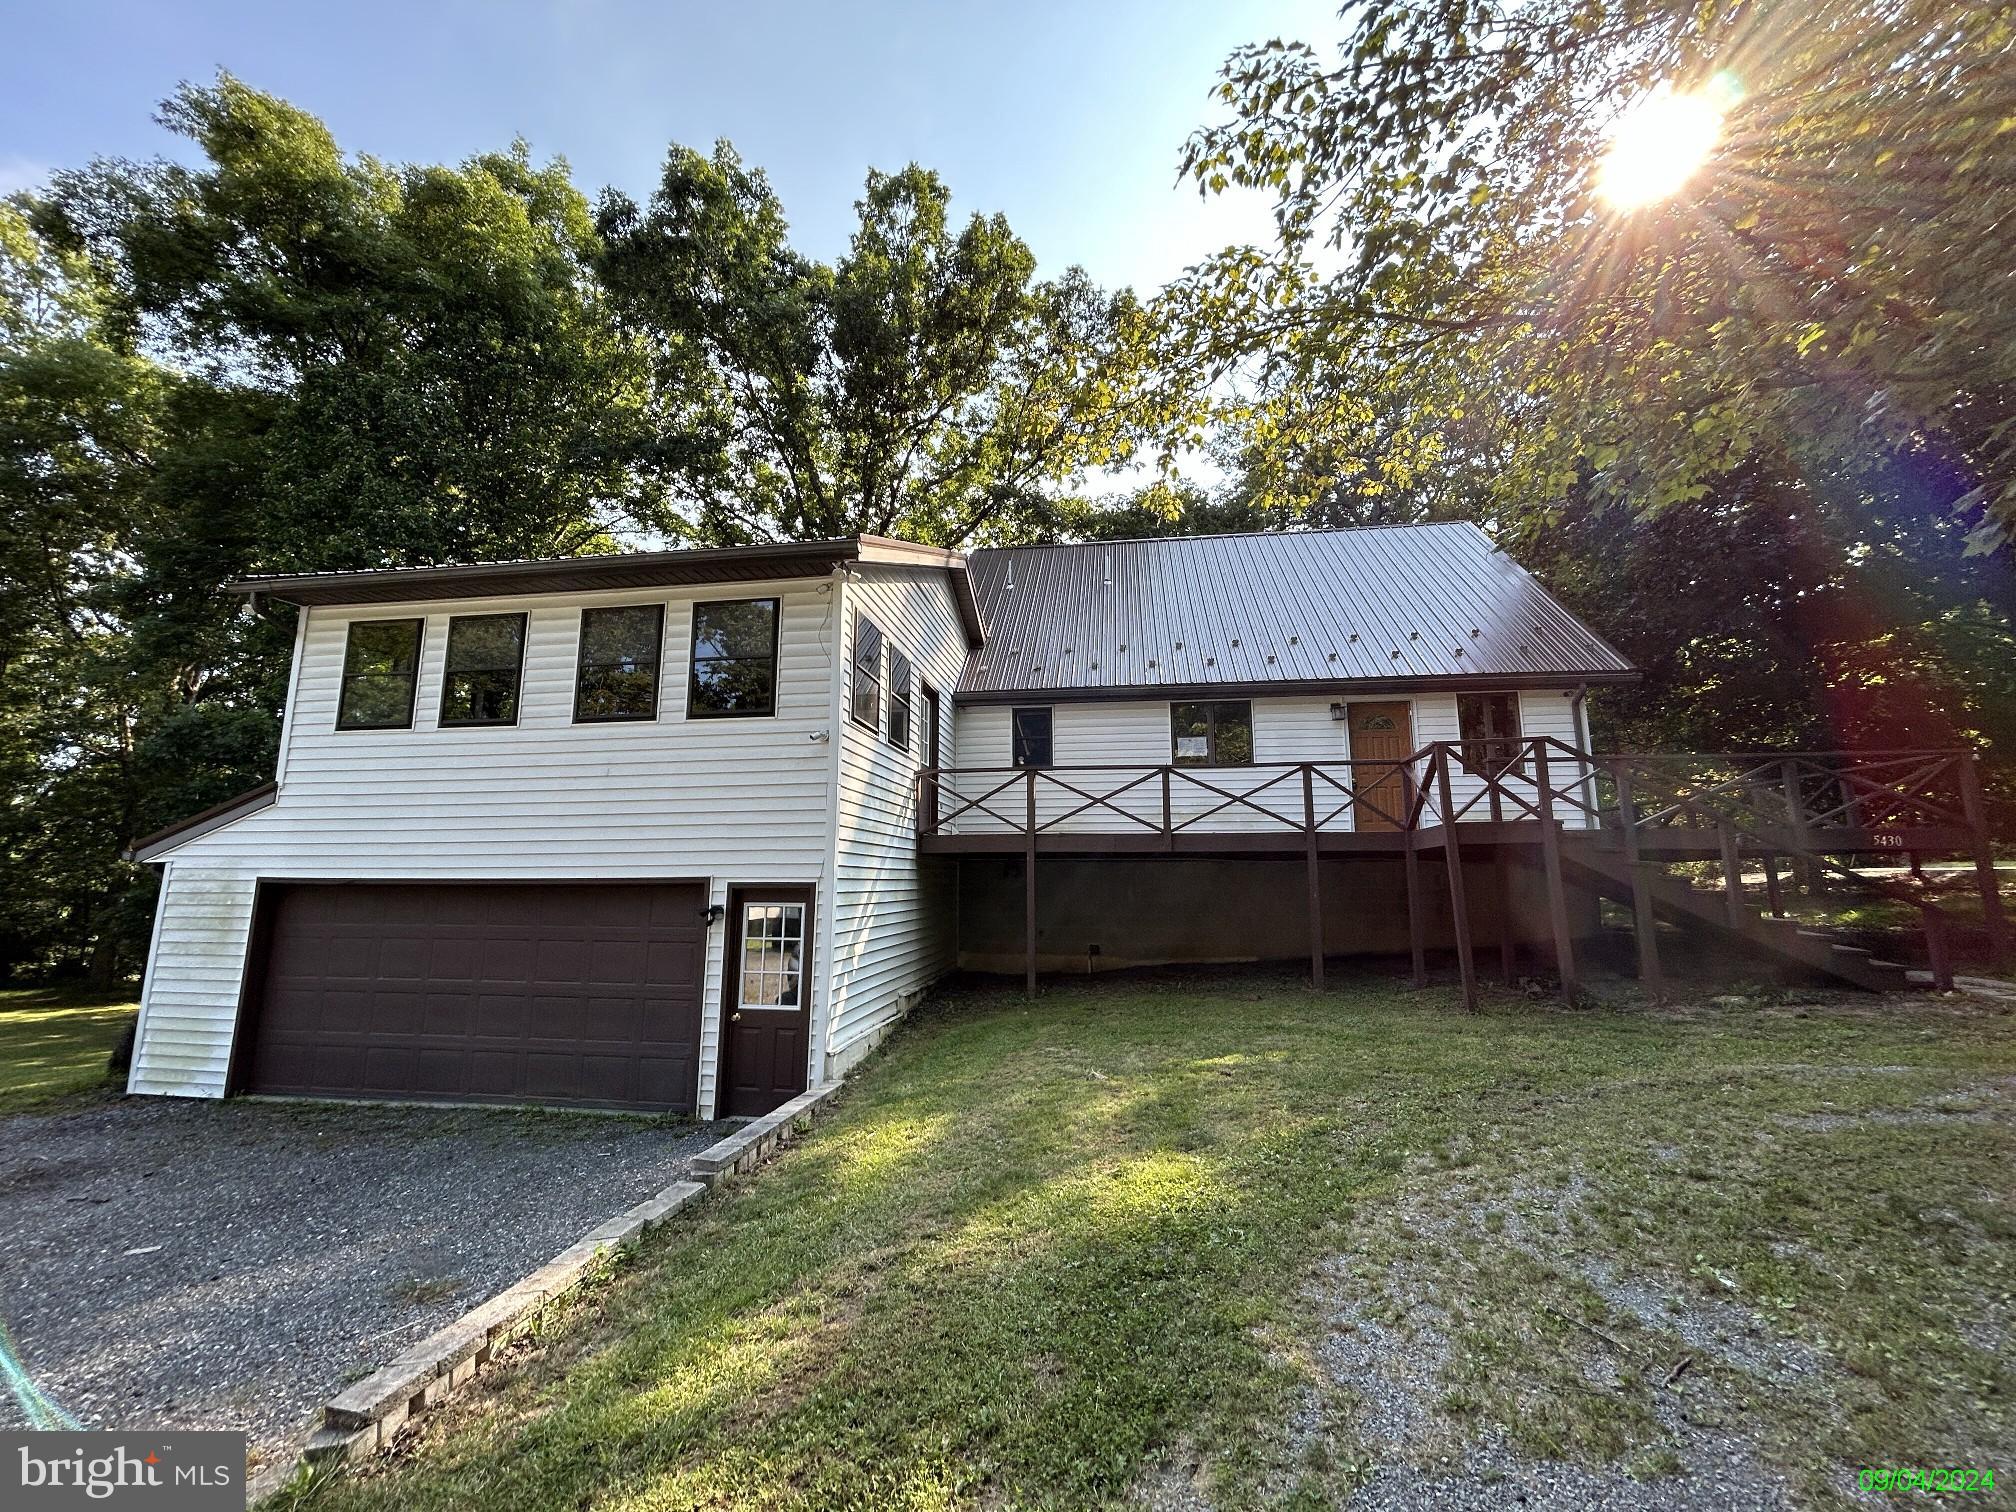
1381,732
929,797
766,1030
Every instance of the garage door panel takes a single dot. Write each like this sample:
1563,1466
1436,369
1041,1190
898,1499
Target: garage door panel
570,994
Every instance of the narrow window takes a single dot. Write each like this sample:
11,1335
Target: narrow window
773,955
381,663
1032,736
485,663
1211,734
734,659
899,700
865,707
1489,726
618,677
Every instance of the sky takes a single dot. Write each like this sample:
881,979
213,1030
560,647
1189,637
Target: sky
1067,117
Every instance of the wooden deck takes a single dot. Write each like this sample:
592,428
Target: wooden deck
1613,819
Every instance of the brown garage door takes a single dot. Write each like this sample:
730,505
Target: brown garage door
583,993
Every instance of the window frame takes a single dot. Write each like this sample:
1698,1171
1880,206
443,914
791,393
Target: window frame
1016,743
441,719
581,664
1476,753
799,973
344,677
873,722
693,711
901,697
1211,758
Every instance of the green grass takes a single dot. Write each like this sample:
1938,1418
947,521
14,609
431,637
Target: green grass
54,1041
1038,1250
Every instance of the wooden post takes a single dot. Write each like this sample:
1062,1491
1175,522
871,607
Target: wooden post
1508,957
1029,890
1315,876
1168,821
1993,916
1937,948
1557,890
1771,888
1642,924
1417,924
1732,877
1459,910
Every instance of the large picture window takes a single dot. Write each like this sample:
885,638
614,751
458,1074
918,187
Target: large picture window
1211,734
618,677
1032,730
865,701
1489,726
483,669
899,699
381,664
734,659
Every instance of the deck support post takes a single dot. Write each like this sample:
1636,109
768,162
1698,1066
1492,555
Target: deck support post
1938,949
1732,877
1772,890
1029,890
1508,950
1459,909
1417,924
1315,876
1557,890
1642,923
1993,916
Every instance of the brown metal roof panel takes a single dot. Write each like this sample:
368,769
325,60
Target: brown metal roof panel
1431,601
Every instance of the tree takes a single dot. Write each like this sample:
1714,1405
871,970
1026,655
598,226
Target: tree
925,385
1831,286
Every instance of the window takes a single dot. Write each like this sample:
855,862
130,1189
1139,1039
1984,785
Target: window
1211,734
734,659
479,682
1489,726
618,678
380,665
865,706
773,950
1032,736
899,700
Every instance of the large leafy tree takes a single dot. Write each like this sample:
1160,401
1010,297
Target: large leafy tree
925,384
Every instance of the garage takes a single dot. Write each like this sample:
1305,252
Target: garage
580,994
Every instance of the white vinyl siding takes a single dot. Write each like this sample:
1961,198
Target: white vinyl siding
738,801
1133,736
893,920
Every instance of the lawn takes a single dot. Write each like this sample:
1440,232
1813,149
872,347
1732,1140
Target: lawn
54,1041
1189,1244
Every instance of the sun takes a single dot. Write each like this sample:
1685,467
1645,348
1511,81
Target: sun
1656,146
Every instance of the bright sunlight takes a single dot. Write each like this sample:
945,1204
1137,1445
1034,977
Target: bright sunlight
1657,145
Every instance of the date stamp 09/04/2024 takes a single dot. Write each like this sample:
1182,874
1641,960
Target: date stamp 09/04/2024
1920,1478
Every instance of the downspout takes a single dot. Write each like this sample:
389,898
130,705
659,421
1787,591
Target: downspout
836,725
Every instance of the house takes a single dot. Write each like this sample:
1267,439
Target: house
688,830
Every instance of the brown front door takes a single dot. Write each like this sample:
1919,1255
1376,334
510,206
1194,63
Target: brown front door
766,1014
1381,732
930,795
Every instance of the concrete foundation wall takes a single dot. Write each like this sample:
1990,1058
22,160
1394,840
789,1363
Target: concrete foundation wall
1107,915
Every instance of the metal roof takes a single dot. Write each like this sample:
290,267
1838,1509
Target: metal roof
1385,606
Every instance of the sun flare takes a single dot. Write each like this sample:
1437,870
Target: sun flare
1656,146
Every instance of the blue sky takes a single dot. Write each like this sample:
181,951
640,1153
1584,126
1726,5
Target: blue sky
1068,117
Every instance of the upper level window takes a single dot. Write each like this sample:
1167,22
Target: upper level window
1032,729
1211,734
1489,726
618,677
865,698
734,659
485,662
381,663
899,700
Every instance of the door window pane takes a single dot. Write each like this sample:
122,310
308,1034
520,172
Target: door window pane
773,944
479,680
381,663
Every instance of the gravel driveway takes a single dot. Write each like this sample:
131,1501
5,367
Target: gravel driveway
231,1265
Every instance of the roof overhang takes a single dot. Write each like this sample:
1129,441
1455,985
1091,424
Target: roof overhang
633,569
1566,682
153,847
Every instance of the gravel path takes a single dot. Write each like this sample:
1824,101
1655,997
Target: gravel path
231,1265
